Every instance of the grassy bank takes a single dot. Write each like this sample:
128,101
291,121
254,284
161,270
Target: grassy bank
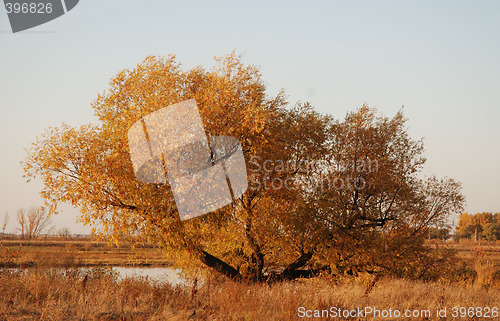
38,294
68,293
77,252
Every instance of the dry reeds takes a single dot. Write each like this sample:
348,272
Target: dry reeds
97,294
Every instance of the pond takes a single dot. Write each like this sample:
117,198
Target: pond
153,274
160,274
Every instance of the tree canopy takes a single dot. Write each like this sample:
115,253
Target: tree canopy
325,195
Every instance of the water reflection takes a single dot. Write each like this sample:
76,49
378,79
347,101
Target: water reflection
160,274
153,274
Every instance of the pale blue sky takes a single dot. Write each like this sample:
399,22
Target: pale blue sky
441,59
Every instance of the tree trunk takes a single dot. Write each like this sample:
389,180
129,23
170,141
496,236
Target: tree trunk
292,272
220,266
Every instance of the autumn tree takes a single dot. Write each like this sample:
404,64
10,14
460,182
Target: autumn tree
479,226
324,195
33,222
371,208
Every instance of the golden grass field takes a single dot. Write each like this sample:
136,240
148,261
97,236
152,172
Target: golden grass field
42,293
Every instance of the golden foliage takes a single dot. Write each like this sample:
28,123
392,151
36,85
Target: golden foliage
269,229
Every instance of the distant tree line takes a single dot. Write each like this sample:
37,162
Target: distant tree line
479,226
442,233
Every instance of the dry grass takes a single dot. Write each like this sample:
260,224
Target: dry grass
56,252
281,302
45,293
38,294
